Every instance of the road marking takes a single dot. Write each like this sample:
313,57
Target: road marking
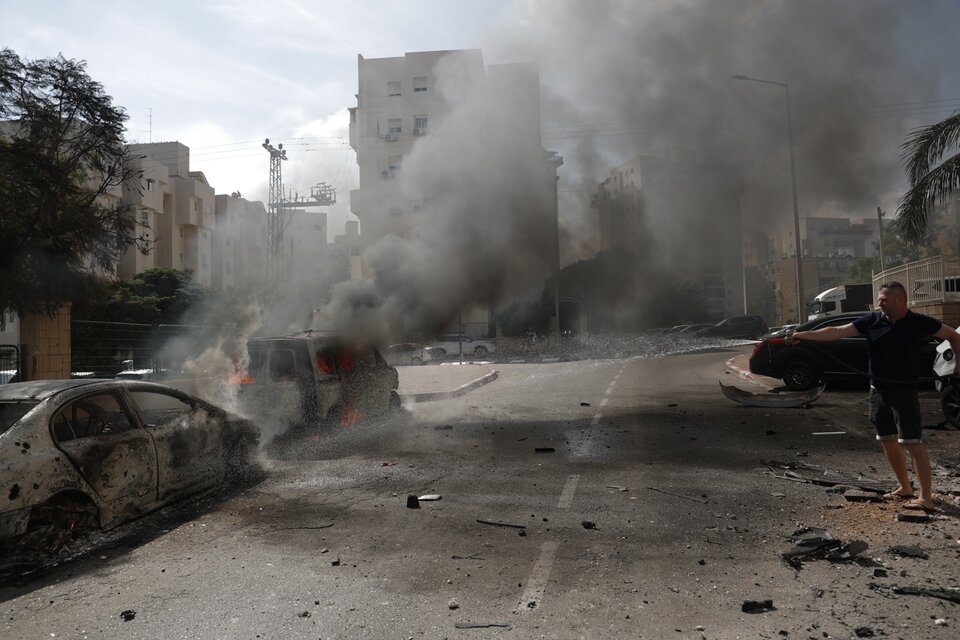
604,402
566,496
596,420
608,391
537,580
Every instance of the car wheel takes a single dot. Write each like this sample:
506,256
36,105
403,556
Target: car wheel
60,520
481,352
950,403
800,375
238,460
417,361
439,354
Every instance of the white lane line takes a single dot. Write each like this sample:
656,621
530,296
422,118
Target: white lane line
537,581
608,391
595,421
566,496
604,402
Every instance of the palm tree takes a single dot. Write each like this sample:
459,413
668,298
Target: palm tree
931,184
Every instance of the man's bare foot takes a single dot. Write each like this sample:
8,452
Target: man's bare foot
919,504
899,494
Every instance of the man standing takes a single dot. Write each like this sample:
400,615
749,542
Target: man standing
894,337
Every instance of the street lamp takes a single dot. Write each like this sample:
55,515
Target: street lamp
793,179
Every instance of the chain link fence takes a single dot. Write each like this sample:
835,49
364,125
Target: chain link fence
9,363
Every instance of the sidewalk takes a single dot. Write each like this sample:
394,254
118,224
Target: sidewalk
437,382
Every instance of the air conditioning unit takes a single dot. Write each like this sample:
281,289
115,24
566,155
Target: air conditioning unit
419,132
390,137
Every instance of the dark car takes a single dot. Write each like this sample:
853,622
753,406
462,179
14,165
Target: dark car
405,353
803,365
743,327
78,455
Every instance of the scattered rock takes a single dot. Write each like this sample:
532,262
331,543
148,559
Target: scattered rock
757,606
335,563
864,632
913,517
128,615
588,525
453,604
544,450
861,496
940,622
909,551
413,502
303,614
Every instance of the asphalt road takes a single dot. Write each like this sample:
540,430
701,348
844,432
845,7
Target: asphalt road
638,505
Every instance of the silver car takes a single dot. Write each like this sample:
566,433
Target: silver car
78,455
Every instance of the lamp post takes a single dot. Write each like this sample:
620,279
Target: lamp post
793,180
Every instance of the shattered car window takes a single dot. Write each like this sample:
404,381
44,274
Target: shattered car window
10,412
161,409
282,366
98,415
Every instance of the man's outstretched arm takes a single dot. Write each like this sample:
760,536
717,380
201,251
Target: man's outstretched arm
826,334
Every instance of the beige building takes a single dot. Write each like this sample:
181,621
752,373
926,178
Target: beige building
240,242
178,205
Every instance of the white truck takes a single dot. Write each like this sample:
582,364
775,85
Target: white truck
850,297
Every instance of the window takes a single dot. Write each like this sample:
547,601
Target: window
393,89
419,84
144,217
97,415
282,366
394,163
393,125
161,409
151,184
419,124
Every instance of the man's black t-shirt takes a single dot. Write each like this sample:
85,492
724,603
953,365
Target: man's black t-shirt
894,347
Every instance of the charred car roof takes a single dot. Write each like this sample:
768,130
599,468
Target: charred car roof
39,390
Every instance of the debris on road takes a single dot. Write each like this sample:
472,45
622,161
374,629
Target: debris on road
453,604
544,450
475,556
861,496
790,400
863,632
303,614
586,524
502,524
913,517
413,502
584,404
813,543
798,471
617,487
128,615
482,625
944,593
909,551
677,495
430,497
757,606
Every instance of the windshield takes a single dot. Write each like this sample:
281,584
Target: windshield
11,412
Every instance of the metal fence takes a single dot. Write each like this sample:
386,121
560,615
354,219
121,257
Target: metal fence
9,363
107,348
930,280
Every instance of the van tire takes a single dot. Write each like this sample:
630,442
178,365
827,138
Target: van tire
950,403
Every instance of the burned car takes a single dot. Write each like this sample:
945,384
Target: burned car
313,379
79,455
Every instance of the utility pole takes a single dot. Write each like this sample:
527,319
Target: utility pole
880,224
279,208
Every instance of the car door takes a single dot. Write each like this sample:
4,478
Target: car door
188,440
110,450
846,357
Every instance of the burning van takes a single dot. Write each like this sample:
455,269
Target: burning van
308,380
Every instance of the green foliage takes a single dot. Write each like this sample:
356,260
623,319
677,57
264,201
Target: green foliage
155,296
62,163
931,184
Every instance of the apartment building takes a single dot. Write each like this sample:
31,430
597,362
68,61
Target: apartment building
689,211
179,208
421,98
240,242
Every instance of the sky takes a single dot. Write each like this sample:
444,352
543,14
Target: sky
620,78
221,76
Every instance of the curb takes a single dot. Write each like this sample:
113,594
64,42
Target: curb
459,391
744,374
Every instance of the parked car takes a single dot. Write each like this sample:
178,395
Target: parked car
947,383
803,365
450,345
311,379
743,327
693,329
404,353
78,455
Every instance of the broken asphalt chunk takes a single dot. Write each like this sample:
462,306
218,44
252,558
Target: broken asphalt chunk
430,497
913,517
943,593
863,632
813,543
909,551
757,606
502,524
586,524
413,502
544,450
861,496
481,625
128,615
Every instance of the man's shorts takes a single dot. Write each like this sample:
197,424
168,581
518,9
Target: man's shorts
896,413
